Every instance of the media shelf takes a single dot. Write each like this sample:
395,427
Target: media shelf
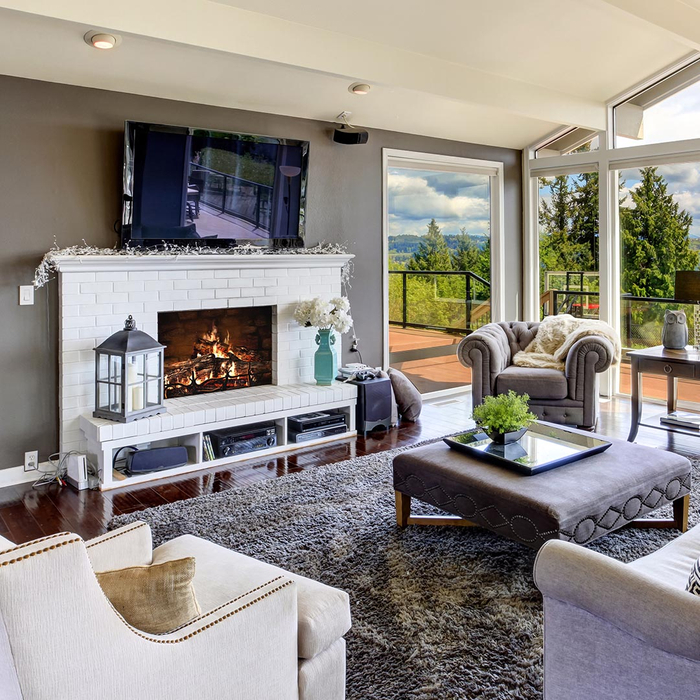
195,416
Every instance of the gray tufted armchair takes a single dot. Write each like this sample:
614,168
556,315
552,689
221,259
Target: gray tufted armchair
569,397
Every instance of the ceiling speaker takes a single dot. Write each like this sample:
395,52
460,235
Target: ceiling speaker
350,136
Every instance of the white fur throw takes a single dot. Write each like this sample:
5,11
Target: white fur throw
555,337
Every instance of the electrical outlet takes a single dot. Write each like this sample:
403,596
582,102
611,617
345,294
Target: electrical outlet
31,460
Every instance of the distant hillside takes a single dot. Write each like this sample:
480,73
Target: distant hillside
405,245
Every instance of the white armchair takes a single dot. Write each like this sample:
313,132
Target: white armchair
263,633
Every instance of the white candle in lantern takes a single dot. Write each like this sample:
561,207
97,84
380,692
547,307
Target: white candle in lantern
136,391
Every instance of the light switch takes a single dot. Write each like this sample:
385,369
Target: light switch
26,294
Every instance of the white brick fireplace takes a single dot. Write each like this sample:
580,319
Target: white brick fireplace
97,293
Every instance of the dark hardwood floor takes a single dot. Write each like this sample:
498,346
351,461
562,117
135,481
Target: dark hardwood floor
27,513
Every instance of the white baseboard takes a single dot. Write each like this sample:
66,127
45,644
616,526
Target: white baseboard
17,475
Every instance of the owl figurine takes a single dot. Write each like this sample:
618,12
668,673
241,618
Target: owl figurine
675,332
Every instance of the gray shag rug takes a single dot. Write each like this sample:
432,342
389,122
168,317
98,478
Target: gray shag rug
448,613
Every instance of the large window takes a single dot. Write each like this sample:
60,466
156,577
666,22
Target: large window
659,234
666,111
607,229
439,225
569,245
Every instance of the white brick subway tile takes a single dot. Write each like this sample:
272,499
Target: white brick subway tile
173,275
227,293
249,291
137,286
96,309
79,322
276,272
143,275
144,297
161,306
81,277
111,298
264,282
96,287
111,277
251,273
158,285
226,274
200,274
179,295
201,294
70,288
216,303
77,299
128,308
187,284
189,305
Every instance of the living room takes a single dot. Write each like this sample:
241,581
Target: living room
349,351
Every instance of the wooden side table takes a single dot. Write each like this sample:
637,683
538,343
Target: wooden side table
674,364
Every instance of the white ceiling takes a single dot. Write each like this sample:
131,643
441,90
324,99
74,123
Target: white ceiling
502,72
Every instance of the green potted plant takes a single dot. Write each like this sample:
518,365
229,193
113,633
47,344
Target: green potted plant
504,418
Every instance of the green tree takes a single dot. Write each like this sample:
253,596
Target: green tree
466,255
655,241
432,253
584,215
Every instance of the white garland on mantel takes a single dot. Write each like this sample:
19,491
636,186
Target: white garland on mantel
49,264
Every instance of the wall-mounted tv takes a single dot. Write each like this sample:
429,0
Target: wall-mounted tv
214,188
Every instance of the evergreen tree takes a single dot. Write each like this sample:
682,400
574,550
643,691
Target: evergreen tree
584,215
432,253
556,215
654,239
466,254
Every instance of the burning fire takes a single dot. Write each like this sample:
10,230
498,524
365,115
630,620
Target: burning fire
213,344
214,364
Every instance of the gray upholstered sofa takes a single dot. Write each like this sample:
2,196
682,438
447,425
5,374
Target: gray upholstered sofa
569,397
623,631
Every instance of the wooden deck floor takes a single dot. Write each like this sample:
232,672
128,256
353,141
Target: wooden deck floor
27,513
446,372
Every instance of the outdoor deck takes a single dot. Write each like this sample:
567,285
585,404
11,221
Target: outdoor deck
442,370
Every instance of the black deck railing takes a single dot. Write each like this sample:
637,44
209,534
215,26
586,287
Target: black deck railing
252,201
641,318
454,300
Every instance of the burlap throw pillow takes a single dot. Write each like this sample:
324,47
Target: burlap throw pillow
154,599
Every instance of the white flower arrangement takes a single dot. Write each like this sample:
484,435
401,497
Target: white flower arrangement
325,315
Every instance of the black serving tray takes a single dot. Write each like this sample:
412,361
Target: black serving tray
543,447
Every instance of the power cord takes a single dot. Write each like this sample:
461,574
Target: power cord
56,475
116,455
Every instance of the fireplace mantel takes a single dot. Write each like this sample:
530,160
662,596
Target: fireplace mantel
127,263
97,292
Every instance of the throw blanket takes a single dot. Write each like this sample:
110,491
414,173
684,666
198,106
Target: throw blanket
555,337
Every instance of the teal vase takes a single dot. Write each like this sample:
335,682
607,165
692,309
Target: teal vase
325,359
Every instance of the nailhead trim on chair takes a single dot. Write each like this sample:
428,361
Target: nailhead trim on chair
211,624
39,551
223,605
33,542
118,534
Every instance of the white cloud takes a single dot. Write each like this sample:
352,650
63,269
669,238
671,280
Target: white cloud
412,198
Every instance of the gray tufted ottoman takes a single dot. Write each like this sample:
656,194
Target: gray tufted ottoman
578,502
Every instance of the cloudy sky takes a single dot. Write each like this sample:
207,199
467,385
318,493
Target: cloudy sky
452,199
676,118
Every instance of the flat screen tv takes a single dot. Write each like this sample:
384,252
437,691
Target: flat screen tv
197,186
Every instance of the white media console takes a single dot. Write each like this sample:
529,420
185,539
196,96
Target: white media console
189,418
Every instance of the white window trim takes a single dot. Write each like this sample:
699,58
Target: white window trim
431,161
607,161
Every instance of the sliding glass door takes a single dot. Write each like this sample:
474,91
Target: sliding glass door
439,250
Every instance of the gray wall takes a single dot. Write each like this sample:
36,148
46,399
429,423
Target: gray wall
60,166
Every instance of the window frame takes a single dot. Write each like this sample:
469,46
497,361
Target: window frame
395,158
608,161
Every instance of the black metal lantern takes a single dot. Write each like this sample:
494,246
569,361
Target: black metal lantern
128,375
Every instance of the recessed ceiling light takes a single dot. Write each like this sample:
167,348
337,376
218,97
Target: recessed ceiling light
359,88
101,40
